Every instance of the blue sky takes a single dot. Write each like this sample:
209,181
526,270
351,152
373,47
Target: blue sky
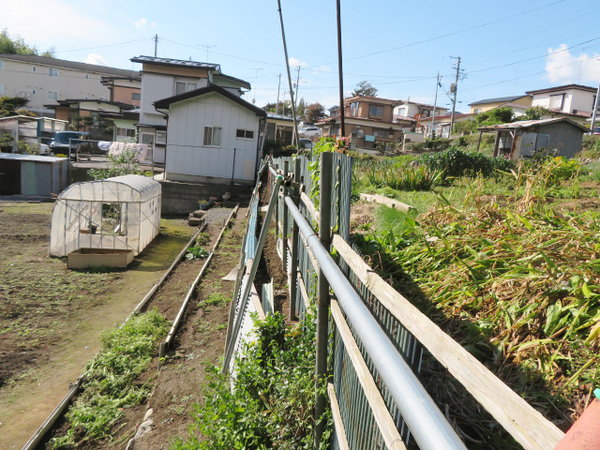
506,47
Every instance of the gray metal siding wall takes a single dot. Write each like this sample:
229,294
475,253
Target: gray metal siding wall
564,137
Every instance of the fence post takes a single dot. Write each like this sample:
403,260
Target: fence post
323,292
284,226
294,268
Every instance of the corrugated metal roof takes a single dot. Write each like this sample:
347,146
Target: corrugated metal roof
34,158
530,123
53,62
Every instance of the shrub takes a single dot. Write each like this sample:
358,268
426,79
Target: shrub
456,163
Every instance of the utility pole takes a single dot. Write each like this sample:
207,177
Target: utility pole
289,75
454,90
297,83
255,83
595,109
278,86
437,84
155,44
340,72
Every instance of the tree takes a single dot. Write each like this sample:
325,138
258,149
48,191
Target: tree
18,46
495,116
534,113
364,88
301,110
9,105
314,112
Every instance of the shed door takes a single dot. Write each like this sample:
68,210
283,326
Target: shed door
10,177
528,144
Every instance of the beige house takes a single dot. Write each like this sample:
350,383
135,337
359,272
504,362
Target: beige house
44,81
518,103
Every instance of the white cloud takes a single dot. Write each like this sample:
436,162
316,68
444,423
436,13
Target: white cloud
564,67
35,21
322,69
140,23
297,63
94,58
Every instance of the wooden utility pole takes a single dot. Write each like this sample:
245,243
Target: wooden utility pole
454,90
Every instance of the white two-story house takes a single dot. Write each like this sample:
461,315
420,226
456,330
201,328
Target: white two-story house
163,78
572,100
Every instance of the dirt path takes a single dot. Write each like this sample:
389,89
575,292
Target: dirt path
199,343
51,318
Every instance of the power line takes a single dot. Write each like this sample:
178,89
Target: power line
102,46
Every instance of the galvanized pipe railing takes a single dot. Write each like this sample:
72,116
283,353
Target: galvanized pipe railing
426,422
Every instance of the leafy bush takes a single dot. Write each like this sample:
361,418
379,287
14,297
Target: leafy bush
196,252
435,145
456,163
273,395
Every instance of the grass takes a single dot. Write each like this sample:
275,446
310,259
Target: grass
110,380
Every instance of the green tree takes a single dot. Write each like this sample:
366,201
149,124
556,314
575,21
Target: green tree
495,116
364,88
9,105
301,110
534,113
18,46
314,112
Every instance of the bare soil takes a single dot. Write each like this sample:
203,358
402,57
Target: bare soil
51,318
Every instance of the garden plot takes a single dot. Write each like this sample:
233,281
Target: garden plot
51,318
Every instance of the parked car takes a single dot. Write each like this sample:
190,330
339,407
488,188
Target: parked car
309,133
65,139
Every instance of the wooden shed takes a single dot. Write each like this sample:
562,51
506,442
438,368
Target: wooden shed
523,139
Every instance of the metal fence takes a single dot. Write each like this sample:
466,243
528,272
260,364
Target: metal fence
374,392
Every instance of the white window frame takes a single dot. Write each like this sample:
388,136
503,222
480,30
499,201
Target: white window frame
161,137
553,100
125,132
181,87
247,134
212,137
53,72
53,95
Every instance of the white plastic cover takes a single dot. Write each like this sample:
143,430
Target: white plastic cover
115,213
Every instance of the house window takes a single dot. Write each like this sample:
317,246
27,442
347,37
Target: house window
556,101
136,96
477,111
182,87
375,111
244,134
125,132
212,136
358,132
52,72
383,134
87,76
52,95
33,92
34,69
354,109
161,137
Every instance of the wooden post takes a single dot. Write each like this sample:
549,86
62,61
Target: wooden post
294,268
323,301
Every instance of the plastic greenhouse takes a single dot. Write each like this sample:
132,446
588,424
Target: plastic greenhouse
121,213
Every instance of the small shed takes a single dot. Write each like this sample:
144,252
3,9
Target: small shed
120,213
32,174
522,139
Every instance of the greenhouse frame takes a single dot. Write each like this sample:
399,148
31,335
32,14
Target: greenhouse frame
120,213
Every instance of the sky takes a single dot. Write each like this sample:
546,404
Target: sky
505,47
